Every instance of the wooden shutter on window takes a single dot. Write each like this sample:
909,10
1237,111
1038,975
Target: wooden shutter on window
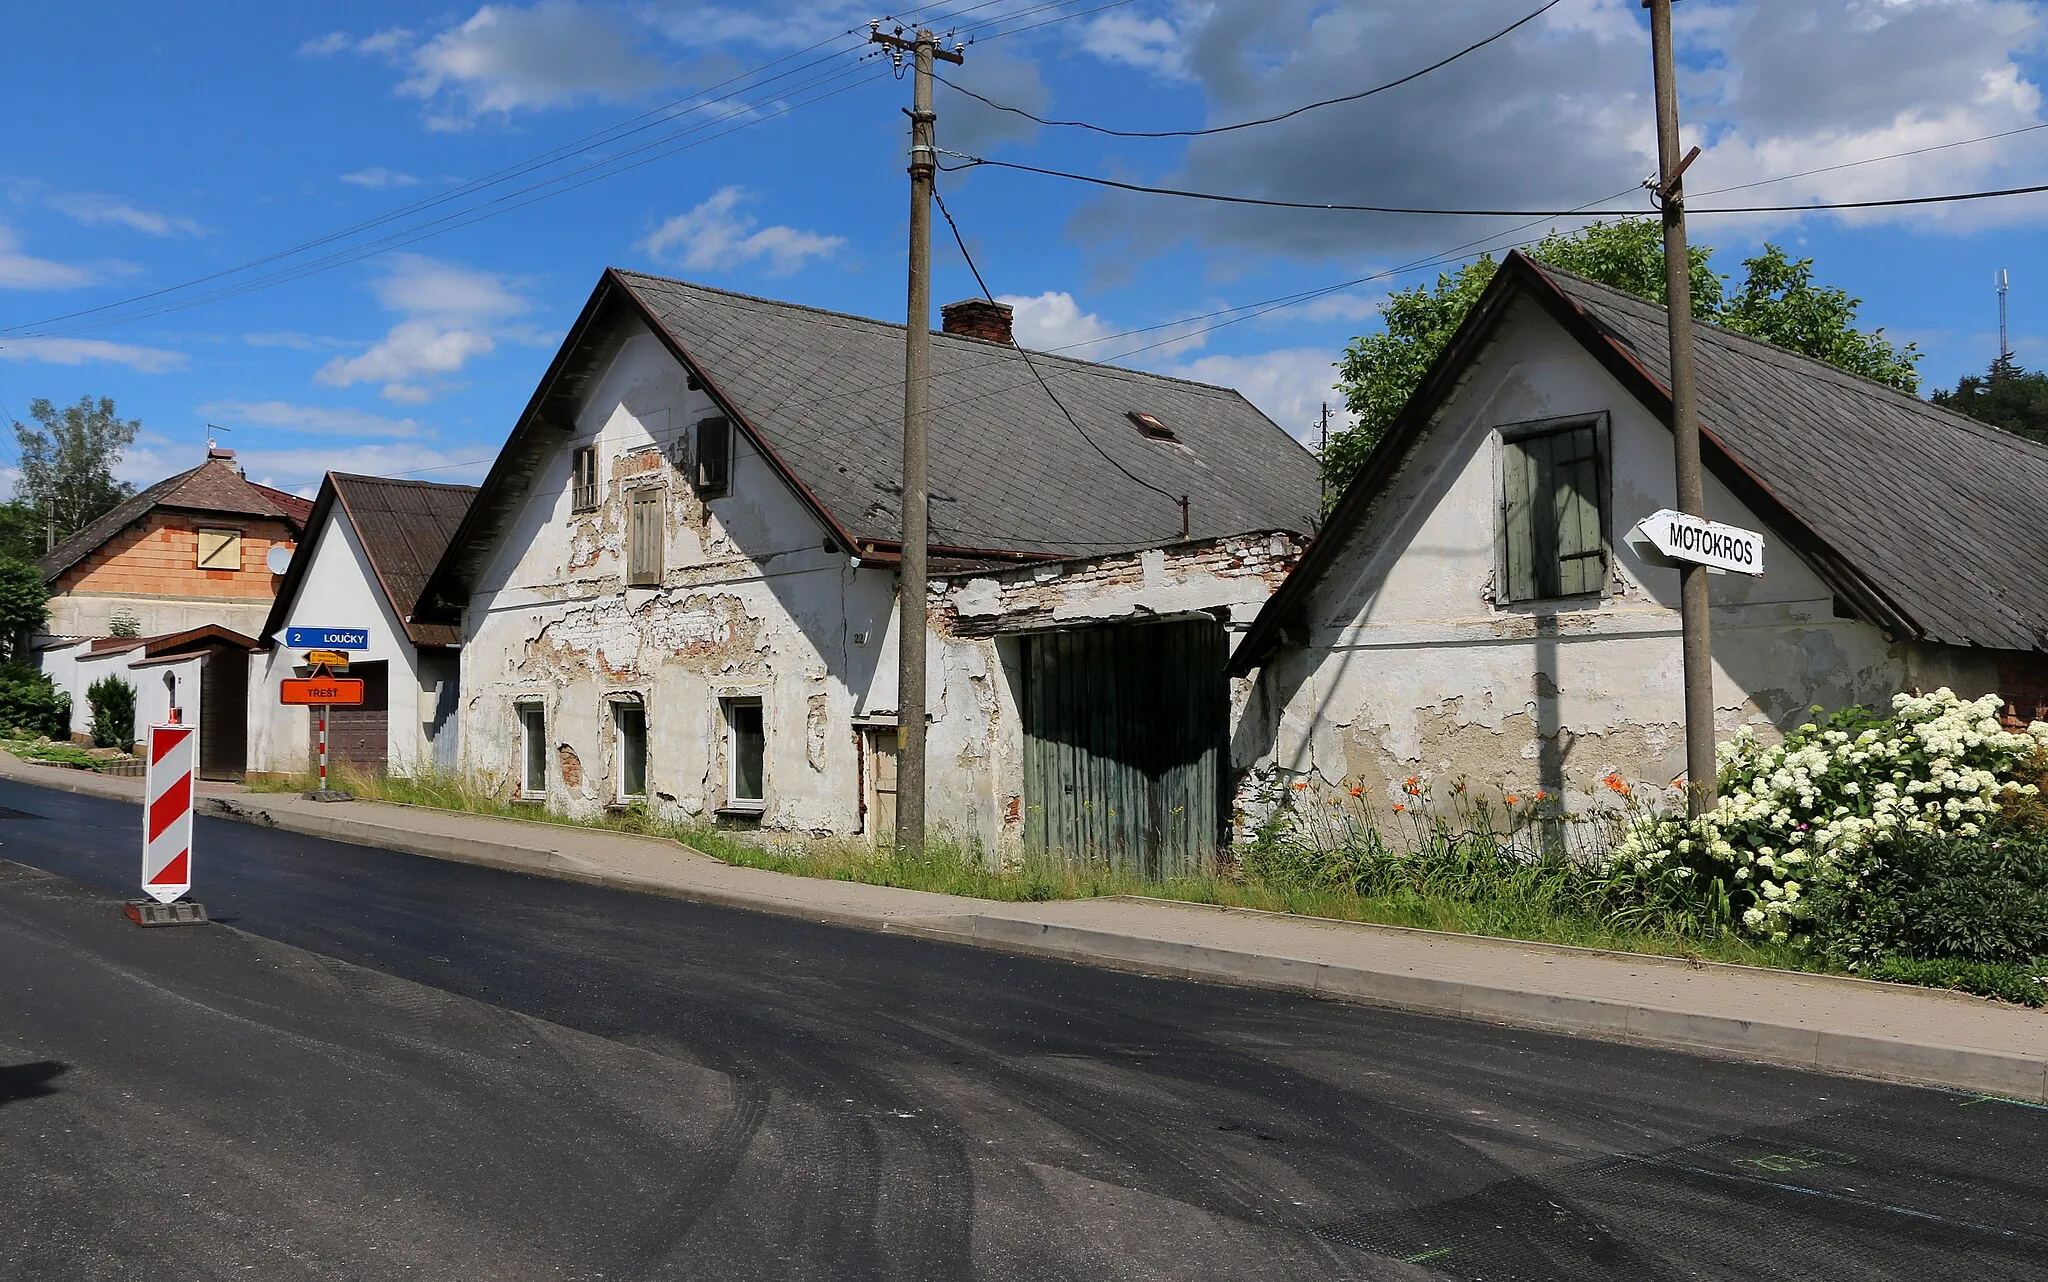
220,550
714,455
643,538
1552,519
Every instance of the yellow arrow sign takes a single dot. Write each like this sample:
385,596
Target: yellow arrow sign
327,658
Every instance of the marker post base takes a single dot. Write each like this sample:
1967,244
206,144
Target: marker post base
148,912
331,794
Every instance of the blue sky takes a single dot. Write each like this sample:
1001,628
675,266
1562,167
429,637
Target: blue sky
154,145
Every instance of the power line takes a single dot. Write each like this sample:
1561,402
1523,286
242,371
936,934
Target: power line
974,162
1438,65
560,184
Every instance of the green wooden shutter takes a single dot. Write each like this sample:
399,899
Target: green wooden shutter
1521,583
1553,515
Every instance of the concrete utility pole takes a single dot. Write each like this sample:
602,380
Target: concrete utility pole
917,339
1694,604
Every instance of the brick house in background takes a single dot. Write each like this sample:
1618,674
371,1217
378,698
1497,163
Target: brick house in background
183,569
187,552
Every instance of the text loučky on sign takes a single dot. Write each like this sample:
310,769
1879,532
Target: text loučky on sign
1678,537
341,692
167,812
327,638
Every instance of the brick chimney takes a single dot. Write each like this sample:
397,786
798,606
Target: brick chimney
219,451
978,318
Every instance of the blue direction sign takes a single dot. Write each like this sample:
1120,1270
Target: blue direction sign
327,638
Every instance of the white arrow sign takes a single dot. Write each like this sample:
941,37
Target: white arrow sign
1678,537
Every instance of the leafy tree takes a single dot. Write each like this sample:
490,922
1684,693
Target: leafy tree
24,607
2006,396
1777,302
68,460
31,704
21,531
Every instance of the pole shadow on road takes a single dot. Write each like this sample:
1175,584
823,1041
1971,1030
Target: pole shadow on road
26,1081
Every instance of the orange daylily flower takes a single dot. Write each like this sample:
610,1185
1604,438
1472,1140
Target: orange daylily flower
1513,800
1398,807
1301,787
1618,785
1358,792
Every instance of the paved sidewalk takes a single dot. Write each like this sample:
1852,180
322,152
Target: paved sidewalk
1812,1021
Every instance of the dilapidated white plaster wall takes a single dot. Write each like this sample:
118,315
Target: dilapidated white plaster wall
755,604
1411,666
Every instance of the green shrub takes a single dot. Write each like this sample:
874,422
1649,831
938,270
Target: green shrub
30,705
113,712
1975,899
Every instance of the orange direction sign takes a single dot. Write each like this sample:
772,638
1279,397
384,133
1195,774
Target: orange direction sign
344,691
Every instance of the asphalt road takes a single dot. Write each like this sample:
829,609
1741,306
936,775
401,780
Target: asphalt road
391,1067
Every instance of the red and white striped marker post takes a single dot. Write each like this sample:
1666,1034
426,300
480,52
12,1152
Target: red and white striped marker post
167,813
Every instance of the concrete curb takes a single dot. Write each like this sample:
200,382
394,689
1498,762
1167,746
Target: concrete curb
2019,1077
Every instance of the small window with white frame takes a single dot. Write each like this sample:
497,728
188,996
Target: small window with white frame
533,749
1554,510
746,756
629,749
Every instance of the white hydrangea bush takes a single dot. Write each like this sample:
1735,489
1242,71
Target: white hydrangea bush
1796,814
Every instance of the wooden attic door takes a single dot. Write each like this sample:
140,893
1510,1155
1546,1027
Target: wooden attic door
1125,730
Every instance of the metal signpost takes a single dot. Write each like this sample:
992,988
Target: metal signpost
327,648
168,774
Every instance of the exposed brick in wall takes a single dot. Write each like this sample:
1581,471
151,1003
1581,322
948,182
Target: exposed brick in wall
1031,597
161,558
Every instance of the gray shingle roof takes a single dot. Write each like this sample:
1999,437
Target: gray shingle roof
1941,512
1008,471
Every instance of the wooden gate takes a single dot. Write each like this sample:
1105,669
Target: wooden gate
1125,737
360,736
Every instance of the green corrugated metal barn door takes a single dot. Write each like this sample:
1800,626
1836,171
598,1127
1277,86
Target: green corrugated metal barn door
1125,730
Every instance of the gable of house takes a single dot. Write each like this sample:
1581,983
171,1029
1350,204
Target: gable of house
1414,640
191,549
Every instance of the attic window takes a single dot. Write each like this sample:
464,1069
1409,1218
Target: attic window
1151,427
714,456
583,492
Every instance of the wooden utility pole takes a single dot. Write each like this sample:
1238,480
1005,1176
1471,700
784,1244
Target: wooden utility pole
1694,603
923,48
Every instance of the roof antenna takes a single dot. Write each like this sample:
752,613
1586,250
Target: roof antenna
2004,347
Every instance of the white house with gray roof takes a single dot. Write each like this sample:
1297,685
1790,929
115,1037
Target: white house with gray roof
677,584
1471,610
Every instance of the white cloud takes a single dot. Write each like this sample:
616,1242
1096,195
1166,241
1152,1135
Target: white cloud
452,315
293,340
1559,114
378,178
766,24
1148,44
410,349
1054,322
284,416
1290,386
332,43
300,468
22,271
97,210
91,351
716,236
975,127
504,58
